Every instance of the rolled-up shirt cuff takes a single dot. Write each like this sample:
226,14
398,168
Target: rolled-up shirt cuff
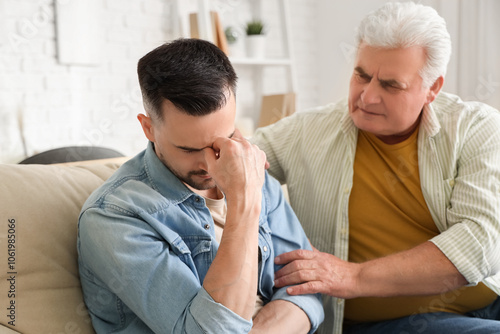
212,317
470,261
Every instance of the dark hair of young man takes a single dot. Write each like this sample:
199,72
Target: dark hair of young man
195,75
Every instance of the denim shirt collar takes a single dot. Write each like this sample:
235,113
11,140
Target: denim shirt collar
162,179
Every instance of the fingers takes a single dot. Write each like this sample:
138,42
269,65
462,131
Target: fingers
239,137
303,281
245,148
299,254
231,145
235,164
210,156
303,272
293,273
220,142
299,271
298,267
316,272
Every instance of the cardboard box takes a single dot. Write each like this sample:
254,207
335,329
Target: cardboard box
275,107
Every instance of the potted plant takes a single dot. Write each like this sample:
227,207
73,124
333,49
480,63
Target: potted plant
256,38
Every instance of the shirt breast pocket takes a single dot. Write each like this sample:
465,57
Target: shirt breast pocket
200,253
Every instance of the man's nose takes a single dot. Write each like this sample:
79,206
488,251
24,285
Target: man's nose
371,93
202,164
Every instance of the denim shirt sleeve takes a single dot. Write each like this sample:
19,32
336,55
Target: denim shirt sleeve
287,235
127,271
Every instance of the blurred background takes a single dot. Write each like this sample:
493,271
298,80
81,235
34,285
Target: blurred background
67,67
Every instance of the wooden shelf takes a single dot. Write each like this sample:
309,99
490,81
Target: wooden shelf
253,68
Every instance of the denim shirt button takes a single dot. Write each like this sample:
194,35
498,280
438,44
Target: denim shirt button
264,248
207,226
196,199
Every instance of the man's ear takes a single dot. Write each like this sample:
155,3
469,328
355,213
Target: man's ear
147,126
435,89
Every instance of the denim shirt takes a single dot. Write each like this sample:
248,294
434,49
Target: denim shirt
146,242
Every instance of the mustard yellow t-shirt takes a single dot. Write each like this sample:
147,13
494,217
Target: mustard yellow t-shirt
388,214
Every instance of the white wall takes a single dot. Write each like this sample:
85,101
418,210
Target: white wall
475,68
62,105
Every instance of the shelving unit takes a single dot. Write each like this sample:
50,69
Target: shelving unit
181,9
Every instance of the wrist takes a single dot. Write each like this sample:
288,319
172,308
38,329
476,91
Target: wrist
358,281
247,204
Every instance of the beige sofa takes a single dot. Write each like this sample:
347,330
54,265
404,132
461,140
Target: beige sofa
39,207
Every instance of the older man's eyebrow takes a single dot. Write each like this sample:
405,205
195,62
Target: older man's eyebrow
195,149
361,72
383,82
392,83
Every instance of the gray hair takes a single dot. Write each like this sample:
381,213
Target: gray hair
406,24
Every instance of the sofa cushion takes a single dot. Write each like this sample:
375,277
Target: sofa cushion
39,209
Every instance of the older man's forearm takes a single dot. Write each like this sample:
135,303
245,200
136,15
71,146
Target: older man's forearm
419,271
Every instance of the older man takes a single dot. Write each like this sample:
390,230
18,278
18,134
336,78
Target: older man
397,187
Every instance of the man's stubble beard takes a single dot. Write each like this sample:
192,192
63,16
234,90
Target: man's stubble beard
188,179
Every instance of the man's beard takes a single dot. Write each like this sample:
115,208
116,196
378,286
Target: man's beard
203,185
188,179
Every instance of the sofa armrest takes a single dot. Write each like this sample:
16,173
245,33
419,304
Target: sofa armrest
39,209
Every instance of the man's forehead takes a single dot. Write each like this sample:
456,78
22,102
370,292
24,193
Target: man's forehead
198,132
371,55
385,71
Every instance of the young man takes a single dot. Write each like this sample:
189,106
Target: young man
182,238
398,189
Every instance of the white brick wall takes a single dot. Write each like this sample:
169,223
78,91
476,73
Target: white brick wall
63,105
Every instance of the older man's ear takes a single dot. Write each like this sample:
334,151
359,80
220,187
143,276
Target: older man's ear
435,89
